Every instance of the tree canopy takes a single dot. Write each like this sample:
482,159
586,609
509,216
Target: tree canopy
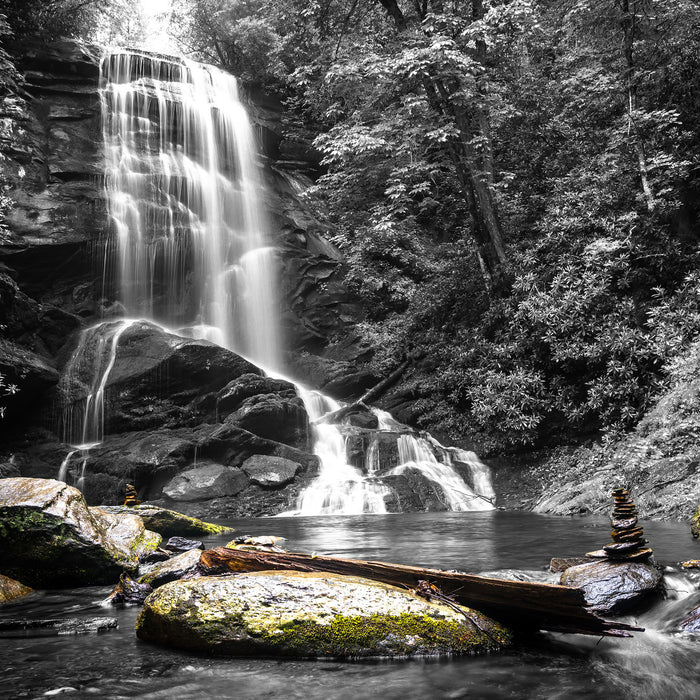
513,183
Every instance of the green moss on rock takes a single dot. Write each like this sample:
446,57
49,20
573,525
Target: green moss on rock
50,539
169,523
292,614
695,524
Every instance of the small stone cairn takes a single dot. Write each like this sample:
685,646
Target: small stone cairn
628,537
132,496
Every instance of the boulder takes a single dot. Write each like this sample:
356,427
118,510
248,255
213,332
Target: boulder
695,524
169,522
612,587
156,379
49,537
172,569
296,614
11,590
205,481
237,391
274,417
270,472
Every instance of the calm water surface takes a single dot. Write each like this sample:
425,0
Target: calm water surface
655,664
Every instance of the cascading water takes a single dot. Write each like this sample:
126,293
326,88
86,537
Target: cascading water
84,419
190,252
340,488
183,193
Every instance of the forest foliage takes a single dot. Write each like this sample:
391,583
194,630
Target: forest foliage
514,184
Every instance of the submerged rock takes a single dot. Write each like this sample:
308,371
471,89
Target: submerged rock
612,587
11,590
169,522
296,614
60,626
49,537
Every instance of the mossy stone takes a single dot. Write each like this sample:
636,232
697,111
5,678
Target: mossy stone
293,614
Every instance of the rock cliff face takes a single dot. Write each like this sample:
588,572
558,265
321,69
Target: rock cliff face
54,284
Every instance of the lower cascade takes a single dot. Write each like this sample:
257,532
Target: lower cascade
190,257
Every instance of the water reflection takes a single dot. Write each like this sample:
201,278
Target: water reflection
655,664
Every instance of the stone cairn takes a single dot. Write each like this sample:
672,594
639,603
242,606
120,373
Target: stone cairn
132,496
628,537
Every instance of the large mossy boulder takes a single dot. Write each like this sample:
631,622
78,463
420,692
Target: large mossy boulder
293,614
49,537
612,587
169,523
695,524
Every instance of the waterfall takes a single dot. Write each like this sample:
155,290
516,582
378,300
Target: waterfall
183,193
191,253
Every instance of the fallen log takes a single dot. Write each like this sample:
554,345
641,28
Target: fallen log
521,604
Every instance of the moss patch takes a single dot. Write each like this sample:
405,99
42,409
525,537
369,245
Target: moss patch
306,615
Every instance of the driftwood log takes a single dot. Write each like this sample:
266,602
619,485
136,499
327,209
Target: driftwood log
520,604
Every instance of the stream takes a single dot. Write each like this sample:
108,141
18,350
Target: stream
114,664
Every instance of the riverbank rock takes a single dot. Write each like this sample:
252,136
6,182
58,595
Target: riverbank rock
296,614
169,523
49,537
695,524
11,590
612,587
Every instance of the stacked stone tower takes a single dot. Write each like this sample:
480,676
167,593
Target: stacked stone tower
628,536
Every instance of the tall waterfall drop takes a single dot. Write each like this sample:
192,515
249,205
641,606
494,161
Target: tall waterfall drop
190,254
183,193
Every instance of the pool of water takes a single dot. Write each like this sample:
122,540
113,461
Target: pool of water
114,664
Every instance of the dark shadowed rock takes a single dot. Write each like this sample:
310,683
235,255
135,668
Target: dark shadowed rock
274,417
31,374
237,391
172,569
270,472
157,379
129,592
613,587
177,545
205,481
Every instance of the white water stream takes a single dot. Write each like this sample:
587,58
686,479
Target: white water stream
191,253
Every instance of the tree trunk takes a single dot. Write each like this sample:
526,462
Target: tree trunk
515,603
474,170
629,26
